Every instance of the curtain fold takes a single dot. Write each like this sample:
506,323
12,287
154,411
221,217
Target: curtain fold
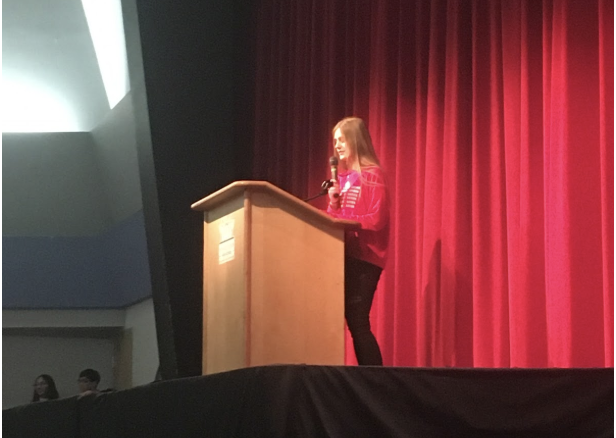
494,123
606,131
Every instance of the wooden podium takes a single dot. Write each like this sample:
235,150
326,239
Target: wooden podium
273,279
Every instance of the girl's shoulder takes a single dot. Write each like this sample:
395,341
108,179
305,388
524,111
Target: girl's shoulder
373,174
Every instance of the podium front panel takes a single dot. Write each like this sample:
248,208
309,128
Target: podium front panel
297,282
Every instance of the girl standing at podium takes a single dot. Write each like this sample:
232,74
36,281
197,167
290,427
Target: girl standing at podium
360,194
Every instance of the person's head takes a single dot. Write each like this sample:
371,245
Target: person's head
44,388
88,380
353,144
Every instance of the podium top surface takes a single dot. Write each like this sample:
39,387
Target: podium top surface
236,188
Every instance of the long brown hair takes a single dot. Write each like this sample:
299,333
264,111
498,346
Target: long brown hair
51,393
358,138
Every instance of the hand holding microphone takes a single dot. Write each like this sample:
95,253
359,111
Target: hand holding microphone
334,190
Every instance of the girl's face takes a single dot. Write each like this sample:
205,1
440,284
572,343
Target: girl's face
341,147
40,386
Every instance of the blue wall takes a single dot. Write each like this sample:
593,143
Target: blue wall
109,270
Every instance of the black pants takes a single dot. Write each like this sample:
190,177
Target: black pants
360,281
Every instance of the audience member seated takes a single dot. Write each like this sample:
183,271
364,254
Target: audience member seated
88,382
44,389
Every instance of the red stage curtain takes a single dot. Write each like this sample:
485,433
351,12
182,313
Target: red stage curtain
494,122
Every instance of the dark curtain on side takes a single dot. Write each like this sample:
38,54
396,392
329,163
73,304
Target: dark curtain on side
494,123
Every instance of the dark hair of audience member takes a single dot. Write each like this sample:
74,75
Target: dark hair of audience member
44,389
91,375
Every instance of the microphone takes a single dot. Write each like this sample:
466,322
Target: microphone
333,163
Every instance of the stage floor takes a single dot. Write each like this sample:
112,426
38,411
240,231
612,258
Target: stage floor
320,401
